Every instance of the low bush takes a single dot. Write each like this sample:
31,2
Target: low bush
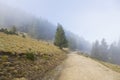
23,35
4,58
6,31
30,56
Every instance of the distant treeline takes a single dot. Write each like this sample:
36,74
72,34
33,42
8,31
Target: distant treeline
103,51
38,28
11,31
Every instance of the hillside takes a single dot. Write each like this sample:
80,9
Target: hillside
22,57
38,28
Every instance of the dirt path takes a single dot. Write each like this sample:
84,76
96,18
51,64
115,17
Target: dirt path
77,67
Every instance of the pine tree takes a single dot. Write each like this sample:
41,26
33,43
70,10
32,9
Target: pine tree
60,38
95,50
13,30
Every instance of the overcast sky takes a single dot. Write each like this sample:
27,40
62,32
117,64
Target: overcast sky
92,19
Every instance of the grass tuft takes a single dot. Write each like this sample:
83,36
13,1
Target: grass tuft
30,56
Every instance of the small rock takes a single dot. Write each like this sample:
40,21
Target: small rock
15,71
36,67
11,68
1,73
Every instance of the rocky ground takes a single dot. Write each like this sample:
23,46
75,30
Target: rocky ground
16,67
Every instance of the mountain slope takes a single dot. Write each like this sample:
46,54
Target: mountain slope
26,57
37,27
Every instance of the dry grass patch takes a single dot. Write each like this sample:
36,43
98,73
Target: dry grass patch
38,57
17,44
111,66
114,67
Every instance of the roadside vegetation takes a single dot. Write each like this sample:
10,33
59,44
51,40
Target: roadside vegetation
12,31
114,67
27,58
19,45
109,65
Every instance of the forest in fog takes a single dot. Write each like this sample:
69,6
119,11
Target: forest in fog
59,40
109,53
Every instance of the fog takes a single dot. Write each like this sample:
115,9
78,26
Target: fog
84,22
95,19
37,27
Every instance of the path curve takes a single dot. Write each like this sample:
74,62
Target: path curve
77,67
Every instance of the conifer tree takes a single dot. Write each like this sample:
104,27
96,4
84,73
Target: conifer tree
60,38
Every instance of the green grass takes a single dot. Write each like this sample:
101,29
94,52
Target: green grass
30,56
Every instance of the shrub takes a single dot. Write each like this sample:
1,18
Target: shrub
46,57
4,57
30,56
23,35
6,31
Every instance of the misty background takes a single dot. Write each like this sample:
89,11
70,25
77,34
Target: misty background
77,16
91,26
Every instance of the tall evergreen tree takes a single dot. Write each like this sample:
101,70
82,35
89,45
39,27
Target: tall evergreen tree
13,29
104,50
95,50
60,38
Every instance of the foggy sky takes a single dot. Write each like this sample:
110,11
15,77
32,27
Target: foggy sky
92,19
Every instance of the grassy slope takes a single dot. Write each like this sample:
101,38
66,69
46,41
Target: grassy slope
114,67
47,57
17,44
